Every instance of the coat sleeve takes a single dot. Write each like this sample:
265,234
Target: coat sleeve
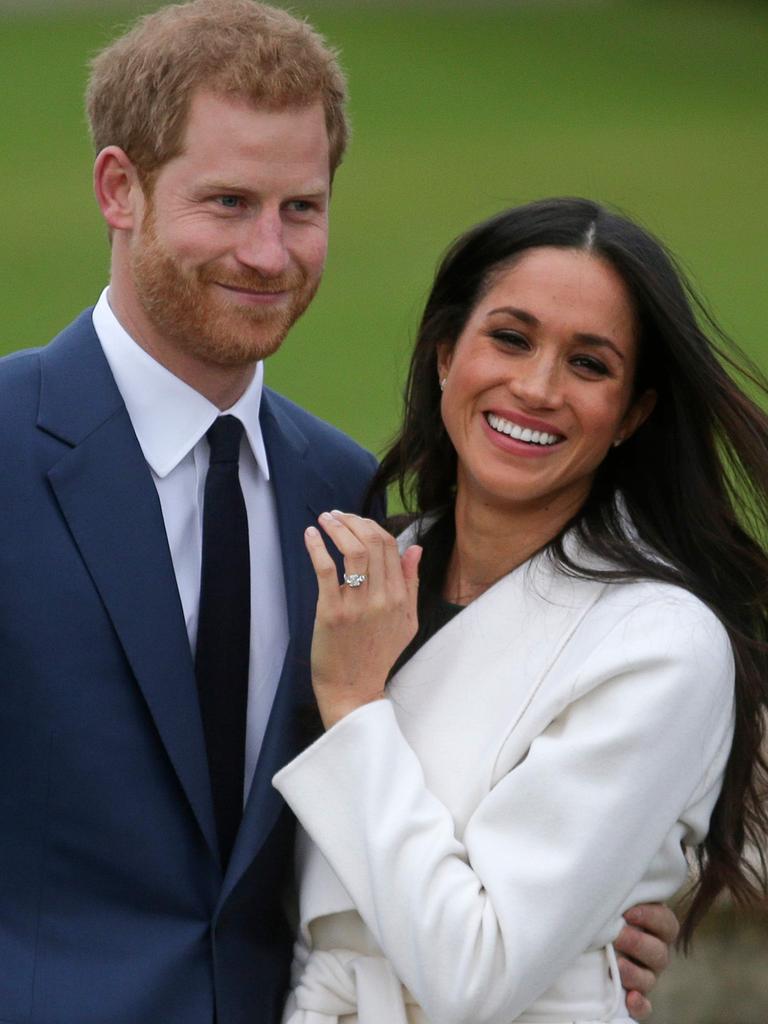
477,929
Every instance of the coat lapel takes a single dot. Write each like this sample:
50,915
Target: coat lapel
106,494
490,660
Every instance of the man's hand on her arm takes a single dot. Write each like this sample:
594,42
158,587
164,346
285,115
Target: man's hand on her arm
643,948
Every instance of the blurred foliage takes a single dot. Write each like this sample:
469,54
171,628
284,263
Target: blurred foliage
724,981
658,108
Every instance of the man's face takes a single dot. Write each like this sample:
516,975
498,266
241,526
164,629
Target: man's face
232,243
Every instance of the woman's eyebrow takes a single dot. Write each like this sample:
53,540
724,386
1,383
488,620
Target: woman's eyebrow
599,341
519,314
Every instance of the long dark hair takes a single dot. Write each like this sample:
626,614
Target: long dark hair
693,478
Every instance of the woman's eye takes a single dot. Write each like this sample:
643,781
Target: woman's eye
591,365
512,338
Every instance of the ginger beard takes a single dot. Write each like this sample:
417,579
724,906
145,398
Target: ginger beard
182,306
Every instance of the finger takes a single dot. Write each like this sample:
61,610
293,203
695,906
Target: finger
643,948
354,553
375,541
655,918
324,566
410,565
635,977
638,1006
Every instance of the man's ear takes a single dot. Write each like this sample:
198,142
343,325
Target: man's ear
118,189
638,413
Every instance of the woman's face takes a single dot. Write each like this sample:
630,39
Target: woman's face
539,384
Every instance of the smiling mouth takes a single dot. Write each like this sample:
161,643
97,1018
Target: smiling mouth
525,434
256,292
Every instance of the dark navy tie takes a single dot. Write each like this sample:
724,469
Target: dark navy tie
222,652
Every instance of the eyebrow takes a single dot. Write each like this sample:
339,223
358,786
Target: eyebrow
314,190
596,340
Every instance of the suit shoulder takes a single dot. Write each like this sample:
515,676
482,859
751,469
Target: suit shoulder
329,443
19,384
23,366
18,365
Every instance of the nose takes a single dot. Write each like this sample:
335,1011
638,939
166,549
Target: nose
536,382
262,246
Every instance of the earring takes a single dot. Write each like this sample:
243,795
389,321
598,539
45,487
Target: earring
617,442
442,383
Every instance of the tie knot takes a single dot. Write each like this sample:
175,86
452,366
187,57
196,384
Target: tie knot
224,439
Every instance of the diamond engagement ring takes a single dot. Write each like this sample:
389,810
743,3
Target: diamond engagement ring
354,579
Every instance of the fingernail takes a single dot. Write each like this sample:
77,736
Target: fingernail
336,512
326,517
312,532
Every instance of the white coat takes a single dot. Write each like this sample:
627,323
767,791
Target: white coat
537,768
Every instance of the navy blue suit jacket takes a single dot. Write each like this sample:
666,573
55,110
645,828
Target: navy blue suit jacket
113,905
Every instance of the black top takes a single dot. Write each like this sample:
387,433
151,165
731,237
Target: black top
434,611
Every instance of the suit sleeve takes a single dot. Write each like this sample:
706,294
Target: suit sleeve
477,929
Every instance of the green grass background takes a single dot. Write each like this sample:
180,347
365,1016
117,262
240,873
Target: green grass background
459,110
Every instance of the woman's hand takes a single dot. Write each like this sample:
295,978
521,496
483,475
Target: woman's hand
359,630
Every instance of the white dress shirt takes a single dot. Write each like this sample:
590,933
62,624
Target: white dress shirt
170,420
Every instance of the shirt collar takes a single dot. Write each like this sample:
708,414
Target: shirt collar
169,417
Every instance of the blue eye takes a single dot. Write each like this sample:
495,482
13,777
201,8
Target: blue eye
229,202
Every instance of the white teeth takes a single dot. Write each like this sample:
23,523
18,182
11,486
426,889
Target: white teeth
521,433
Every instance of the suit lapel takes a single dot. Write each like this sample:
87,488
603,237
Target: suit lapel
106,494
300,495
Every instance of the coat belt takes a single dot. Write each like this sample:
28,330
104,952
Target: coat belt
336,982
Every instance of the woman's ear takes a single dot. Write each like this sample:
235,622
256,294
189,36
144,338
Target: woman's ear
444,358
638,412
118,189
